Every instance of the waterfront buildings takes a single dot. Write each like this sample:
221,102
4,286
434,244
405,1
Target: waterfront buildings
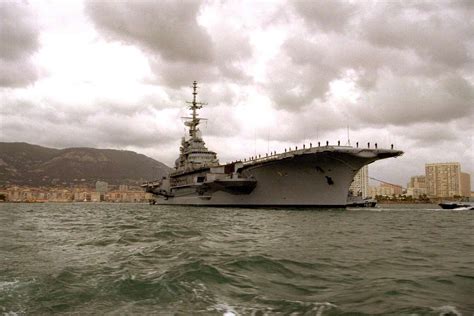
386,189
32,194
441,180
132,194
416,187
446,180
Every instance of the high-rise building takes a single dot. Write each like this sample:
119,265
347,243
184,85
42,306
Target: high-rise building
417,186
465,184
360,184
446,180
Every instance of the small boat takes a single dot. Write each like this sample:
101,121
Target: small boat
357,201
454,205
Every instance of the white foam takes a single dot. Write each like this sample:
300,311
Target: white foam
320,307
447,310
6,284
226,309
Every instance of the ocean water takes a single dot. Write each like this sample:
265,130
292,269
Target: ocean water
140,259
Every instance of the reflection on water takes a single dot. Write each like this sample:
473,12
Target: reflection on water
133,259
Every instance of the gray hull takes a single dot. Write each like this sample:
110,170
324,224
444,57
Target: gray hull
313,177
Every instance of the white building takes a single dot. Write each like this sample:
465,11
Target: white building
360,184
417,186
446,180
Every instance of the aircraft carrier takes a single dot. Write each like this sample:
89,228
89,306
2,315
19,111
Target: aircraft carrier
314,175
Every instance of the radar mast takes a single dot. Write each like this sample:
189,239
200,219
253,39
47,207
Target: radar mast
194,120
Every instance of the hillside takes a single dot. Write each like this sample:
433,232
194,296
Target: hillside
26,164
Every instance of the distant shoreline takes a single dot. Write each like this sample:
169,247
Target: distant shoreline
146,202
70,202
406,202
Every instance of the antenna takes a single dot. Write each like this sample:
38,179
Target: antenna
348,138
255,140
268,142
194,120
304,134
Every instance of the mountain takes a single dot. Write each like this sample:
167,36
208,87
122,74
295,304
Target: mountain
26,164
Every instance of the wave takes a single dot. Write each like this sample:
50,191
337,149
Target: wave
177,234
262,264
269,307
115,259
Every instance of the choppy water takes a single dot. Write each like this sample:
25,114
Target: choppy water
137,259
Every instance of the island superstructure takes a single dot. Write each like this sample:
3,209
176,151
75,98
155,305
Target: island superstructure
311,176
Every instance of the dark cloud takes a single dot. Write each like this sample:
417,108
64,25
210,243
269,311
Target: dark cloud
434,32
178,47
293,86
19,37
18,30
177,75
406,100
429,135
168,28
181,74
17,73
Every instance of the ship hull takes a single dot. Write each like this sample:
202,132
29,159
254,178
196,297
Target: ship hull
305,178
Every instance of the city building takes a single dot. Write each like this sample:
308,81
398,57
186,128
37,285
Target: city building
360,184
127,194
14,194
465,184
30,194
101,186
416,187
60,195
385,189
82,195
446,180
97,197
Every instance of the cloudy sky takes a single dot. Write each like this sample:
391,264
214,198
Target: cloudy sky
115,74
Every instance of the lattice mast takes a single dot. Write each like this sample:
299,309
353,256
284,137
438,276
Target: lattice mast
194,119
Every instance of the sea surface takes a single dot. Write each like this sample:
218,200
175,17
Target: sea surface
136,259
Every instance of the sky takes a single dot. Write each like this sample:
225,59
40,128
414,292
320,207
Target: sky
274,74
